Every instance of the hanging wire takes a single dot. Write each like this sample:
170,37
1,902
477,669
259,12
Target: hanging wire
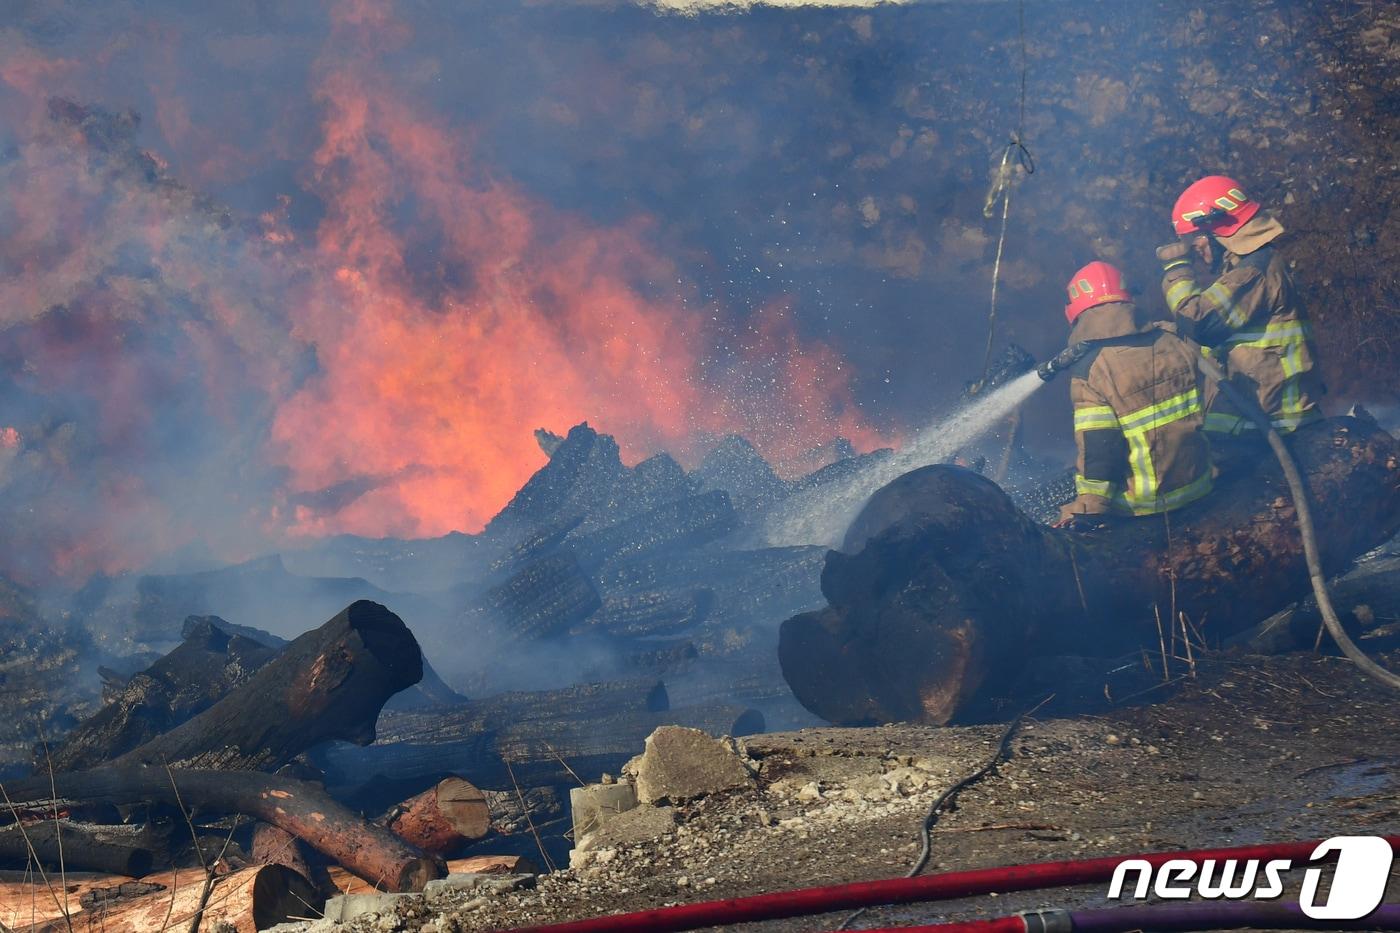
1013,158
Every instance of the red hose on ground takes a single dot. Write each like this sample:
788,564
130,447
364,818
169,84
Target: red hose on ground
939,887
1175,918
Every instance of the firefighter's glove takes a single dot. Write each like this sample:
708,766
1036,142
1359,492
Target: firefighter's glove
1173,254
1081,523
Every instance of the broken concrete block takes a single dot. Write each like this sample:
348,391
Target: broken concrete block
682,764
345,907
594,805
476,883
640,824
492,865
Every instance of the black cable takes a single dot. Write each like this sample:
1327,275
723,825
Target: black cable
1021,22
1023,155
935,808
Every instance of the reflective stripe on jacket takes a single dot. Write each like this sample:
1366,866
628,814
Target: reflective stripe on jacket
1139,411
1252,318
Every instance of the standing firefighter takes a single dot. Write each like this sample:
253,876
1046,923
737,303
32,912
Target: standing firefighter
1250,315
1138,409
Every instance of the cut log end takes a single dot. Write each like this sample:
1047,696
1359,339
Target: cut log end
443,818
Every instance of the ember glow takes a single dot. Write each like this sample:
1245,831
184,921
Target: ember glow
197,378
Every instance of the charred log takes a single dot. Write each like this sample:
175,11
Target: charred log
1363,597
531,753
649,614
301,809
577,703
187,681
946,590
328,684
680,525
509,809
130,850
273,845
759,585
416,749
659,657
543,599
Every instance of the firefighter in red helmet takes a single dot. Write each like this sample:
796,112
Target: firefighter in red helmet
1247,311
1138,407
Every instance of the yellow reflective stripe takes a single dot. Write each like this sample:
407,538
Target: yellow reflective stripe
1094,418
1143,485
1092,487
1143,488
1285,424
1218,423
1169,266
1162,413
1223,297
1196,489
1291,338
1277,334
1180,290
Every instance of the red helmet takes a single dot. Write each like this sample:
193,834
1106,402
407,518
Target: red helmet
1097,283
1215,204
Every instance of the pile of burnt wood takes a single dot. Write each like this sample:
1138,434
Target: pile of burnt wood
228,758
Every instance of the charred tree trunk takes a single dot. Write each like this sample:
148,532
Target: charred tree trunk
301,809
945,590
118,850
206,666
330,683
443,818
273,845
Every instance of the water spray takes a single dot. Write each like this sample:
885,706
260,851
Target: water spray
822,515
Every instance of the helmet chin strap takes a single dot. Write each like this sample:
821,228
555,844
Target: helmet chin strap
1217,253
1217,249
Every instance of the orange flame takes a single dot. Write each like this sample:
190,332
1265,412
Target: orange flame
434,397
449,313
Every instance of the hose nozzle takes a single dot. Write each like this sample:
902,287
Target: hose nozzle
1063,360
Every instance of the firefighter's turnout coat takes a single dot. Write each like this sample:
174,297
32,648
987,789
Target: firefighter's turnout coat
1253,320
1139,410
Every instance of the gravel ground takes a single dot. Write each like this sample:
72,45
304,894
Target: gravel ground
1250,750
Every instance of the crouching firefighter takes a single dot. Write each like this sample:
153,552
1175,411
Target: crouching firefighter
1138,407
1248,312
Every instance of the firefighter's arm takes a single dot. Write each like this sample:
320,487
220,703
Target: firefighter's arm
1213,313
1103,452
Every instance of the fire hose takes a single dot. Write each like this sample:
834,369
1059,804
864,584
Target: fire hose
1162,919
1294,477
926,888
